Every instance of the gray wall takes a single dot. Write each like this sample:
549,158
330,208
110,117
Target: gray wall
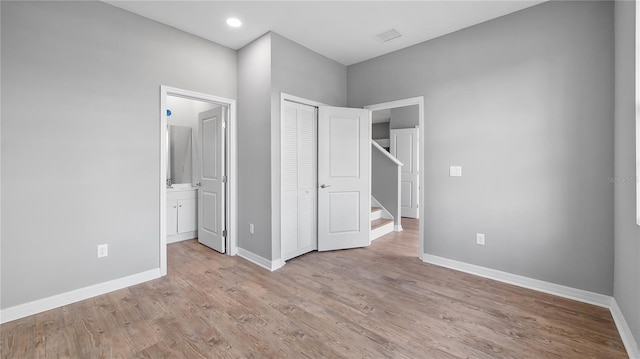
380,130
404,117
385,176
298,71
268,66
81,139
524,103
254,146
626,287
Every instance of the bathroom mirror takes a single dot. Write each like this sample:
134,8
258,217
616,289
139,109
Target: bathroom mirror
179,166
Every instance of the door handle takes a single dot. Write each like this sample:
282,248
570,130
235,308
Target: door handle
198,184
325,185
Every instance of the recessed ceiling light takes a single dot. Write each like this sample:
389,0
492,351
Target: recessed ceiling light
233,22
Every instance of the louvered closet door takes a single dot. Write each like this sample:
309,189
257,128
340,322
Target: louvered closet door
298,181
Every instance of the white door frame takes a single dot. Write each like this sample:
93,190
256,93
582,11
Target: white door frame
402,103
232,168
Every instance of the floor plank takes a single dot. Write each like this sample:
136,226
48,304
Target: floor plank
375,302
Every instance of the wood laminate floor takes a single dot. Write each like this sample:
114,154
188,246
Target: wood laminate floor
376,302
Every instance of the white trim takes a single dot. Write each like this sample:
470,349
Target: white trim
232,184
232,168
182,237
402,103
259,260
398,228
600,300
163,181
386,153
300,100
637,105
59,300
633,350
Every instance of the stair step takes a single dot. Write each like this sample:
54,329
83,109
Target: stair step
380,222
376,212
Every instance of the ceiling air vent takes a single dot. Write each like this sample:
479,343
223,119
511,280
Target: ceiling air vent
388,35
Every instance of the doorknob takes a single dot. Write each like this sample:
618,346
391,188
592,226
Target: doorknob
198,184
325,185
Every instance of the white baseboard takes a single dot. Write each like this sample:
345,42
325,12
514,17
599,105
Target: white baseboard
259,260
600,300
397,228
182,237
633,350
59,300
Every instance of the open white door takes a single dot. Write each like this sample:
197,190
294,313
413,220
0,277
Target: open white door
211,194
344,177
405,147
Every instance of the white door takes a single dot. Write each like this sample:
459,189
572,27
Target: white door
344,177
405,147
211,194
298,179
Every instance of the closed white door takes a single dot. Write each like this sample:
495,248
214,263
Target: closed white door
405,147
298,179
211,194
344,177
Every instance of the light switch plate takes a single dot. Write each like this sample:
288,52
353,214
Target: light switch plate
455,171
480,239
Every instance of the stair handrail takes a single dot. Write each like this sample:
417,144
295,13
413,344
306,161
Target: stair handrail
386,153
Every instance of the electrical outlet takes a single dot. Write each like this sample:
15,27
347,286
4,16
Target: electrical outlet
251,228
480,239
103,250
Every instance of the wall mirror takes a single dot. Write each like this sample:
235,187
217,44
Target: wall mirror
179,159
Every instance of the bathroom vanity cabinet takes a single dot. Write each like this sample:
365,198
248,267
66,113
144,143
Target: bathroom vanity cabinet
182,215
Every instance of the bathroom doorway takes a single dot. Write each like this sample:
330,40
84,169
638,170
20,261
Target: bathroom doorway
198,181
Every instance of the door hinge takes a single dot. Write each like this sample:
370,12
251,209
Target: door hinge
224,233
417,205
224,124
224,179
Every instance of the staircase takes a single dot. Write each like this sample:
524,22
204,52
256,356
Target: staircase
379,224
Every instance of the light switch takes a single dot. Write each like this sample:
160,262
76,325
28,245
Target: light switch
455,171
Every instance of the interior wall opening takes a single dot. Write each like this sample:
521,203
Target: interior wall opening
198,167
397,130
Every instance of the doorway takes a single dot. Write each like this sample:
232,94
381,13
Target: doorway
409,144
211,173
324,188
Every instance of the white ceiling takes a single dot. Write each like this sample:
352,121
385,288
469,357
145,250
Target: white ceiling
341,30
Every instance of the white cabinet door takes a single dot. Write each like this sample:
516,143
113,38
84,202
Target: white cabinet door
405,147
344,177
211,195
172,217
187,217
